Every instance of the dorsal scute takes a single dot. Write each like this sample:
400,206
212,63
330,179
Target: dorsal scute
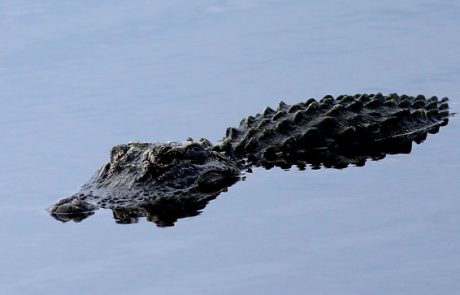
346,122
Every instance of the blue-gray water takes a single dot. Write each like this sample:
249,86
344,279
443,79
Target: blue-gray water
79,77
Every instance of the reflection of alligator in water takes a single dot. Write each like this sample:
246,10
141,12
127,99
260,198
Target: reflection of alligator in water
167,181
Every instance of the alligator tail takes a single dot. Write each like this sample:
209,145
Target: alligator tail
368,125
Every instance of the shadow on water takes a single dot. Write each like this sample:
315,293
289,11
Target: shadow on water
164,211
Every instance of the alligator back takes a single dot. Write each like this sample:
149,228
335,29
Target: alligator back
344,130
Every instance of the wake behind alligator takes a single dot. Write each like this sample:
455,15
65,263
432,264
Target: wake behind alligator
167,181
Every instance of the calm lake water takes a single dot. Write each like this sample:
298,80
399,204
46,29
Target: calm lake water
78,78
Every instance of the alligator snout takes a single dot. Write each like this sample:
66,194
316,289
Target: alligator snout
72,208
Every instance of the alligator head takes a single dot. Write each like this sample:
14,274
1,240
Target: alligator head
141,175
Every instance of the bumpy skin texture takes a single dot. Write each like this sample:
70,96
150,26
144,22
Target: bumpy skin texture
142,176
167,181
342,131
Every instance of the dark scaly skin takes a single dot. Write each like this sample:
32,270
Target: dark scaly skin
167,181
349,126
142,176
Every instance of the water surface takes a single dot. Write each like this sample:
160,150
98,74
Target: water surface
76,79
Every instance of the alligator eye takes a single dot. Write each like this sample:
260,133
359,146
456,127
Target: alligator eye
195,152
164,158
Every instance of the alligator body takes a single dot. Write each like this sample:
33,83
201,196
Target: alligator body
167,181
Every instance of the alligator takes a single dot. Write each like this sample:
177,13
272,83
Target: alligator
167,181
